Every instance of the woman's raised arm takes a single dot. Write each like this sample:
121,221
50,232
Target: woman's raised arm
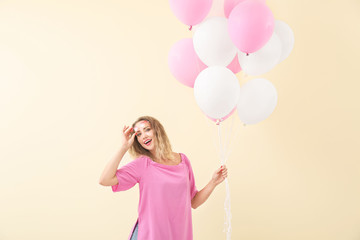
108,176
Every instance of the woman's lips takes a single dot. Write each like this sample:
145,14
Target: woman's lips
148,142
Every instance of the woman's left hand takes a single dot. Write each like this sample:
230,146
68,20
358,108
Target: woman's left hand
219,175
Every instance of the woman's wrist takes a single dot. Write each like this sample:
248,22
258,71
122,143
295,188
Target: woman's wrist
212,183
124,147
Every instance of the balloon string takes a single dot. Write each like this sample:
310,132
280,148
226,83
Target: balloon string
234,137
217,148
227,203
228,137
220,145
227,207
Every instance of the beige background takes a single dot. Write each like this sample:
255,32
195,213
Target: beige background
72,73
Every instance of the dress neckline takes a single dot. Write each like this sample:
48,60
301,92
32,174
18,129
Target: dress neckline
166,165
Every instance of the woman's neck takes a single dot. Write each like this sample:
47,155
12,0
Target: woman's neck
154,154
157,158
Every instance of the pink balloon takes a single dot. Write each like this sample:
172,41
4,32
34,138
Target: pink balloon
190,12
224,118
183,62
229,5
251,25
234,66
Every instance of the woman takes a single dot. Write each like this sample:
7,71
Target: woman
166,182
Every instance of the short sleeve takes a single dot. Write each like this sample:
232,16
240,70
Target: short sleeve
193,189
129,174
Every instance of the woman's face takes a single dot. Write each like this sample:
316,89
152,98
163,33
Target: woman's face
145,134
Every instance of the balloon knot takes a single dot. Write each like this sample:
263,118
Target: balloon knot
190,28
247,54
218,121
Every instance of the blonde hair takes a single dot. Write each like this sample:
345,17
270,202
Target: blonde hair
162,141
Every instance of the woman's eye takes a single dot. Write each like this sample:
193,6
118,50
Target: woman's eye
148,129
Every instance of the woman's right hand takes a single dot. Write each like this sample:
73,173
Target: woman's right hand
127,137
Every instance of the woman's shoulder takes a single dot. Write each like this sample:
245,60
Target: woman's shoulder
176,155
141,159
181,156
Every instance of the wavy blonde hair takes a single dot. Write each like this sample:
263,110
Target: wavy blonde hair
162,141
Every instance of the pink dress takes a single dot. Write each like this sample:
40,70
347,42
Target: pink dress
165,197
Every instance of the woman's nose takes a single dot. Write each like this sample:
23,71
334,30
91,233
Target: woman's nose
143,136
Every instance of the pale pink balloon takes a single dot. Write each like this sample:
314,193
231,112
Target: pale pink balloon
229,6
251,25
224,118
183,62
234,66
190,12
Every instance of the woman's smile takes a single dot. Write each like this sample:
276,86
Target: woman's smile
148,142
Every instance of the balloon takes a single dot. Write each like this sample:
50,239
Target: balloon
286,36
190,12
263,60
216,91
234,66
224,118
217,9
212,42
258,98
251,25
229,6
184,64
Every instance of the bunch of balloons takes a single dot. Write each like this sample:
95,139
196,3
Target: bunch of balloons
242,36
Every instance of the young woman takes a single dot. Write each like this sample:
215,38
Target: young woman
166,182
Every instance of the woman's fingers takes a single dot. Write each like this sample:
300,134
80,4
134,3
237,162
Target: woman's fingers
224,171
129,131
223,168
125,128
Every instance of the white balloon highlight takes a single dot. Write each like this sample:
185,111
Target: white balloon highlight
263,60
217,9
212,42
258,99
287,39
216,91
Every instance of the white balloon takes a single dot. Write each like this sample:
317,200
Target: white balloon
263,60
286,36
217,9
212,42
258,99
216,91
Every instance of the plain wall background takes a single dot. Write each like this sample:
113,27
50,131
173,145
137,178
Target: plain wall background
72,73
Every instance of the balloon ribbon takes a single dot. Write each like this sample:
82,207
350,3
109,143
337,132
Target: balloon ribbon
227,203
